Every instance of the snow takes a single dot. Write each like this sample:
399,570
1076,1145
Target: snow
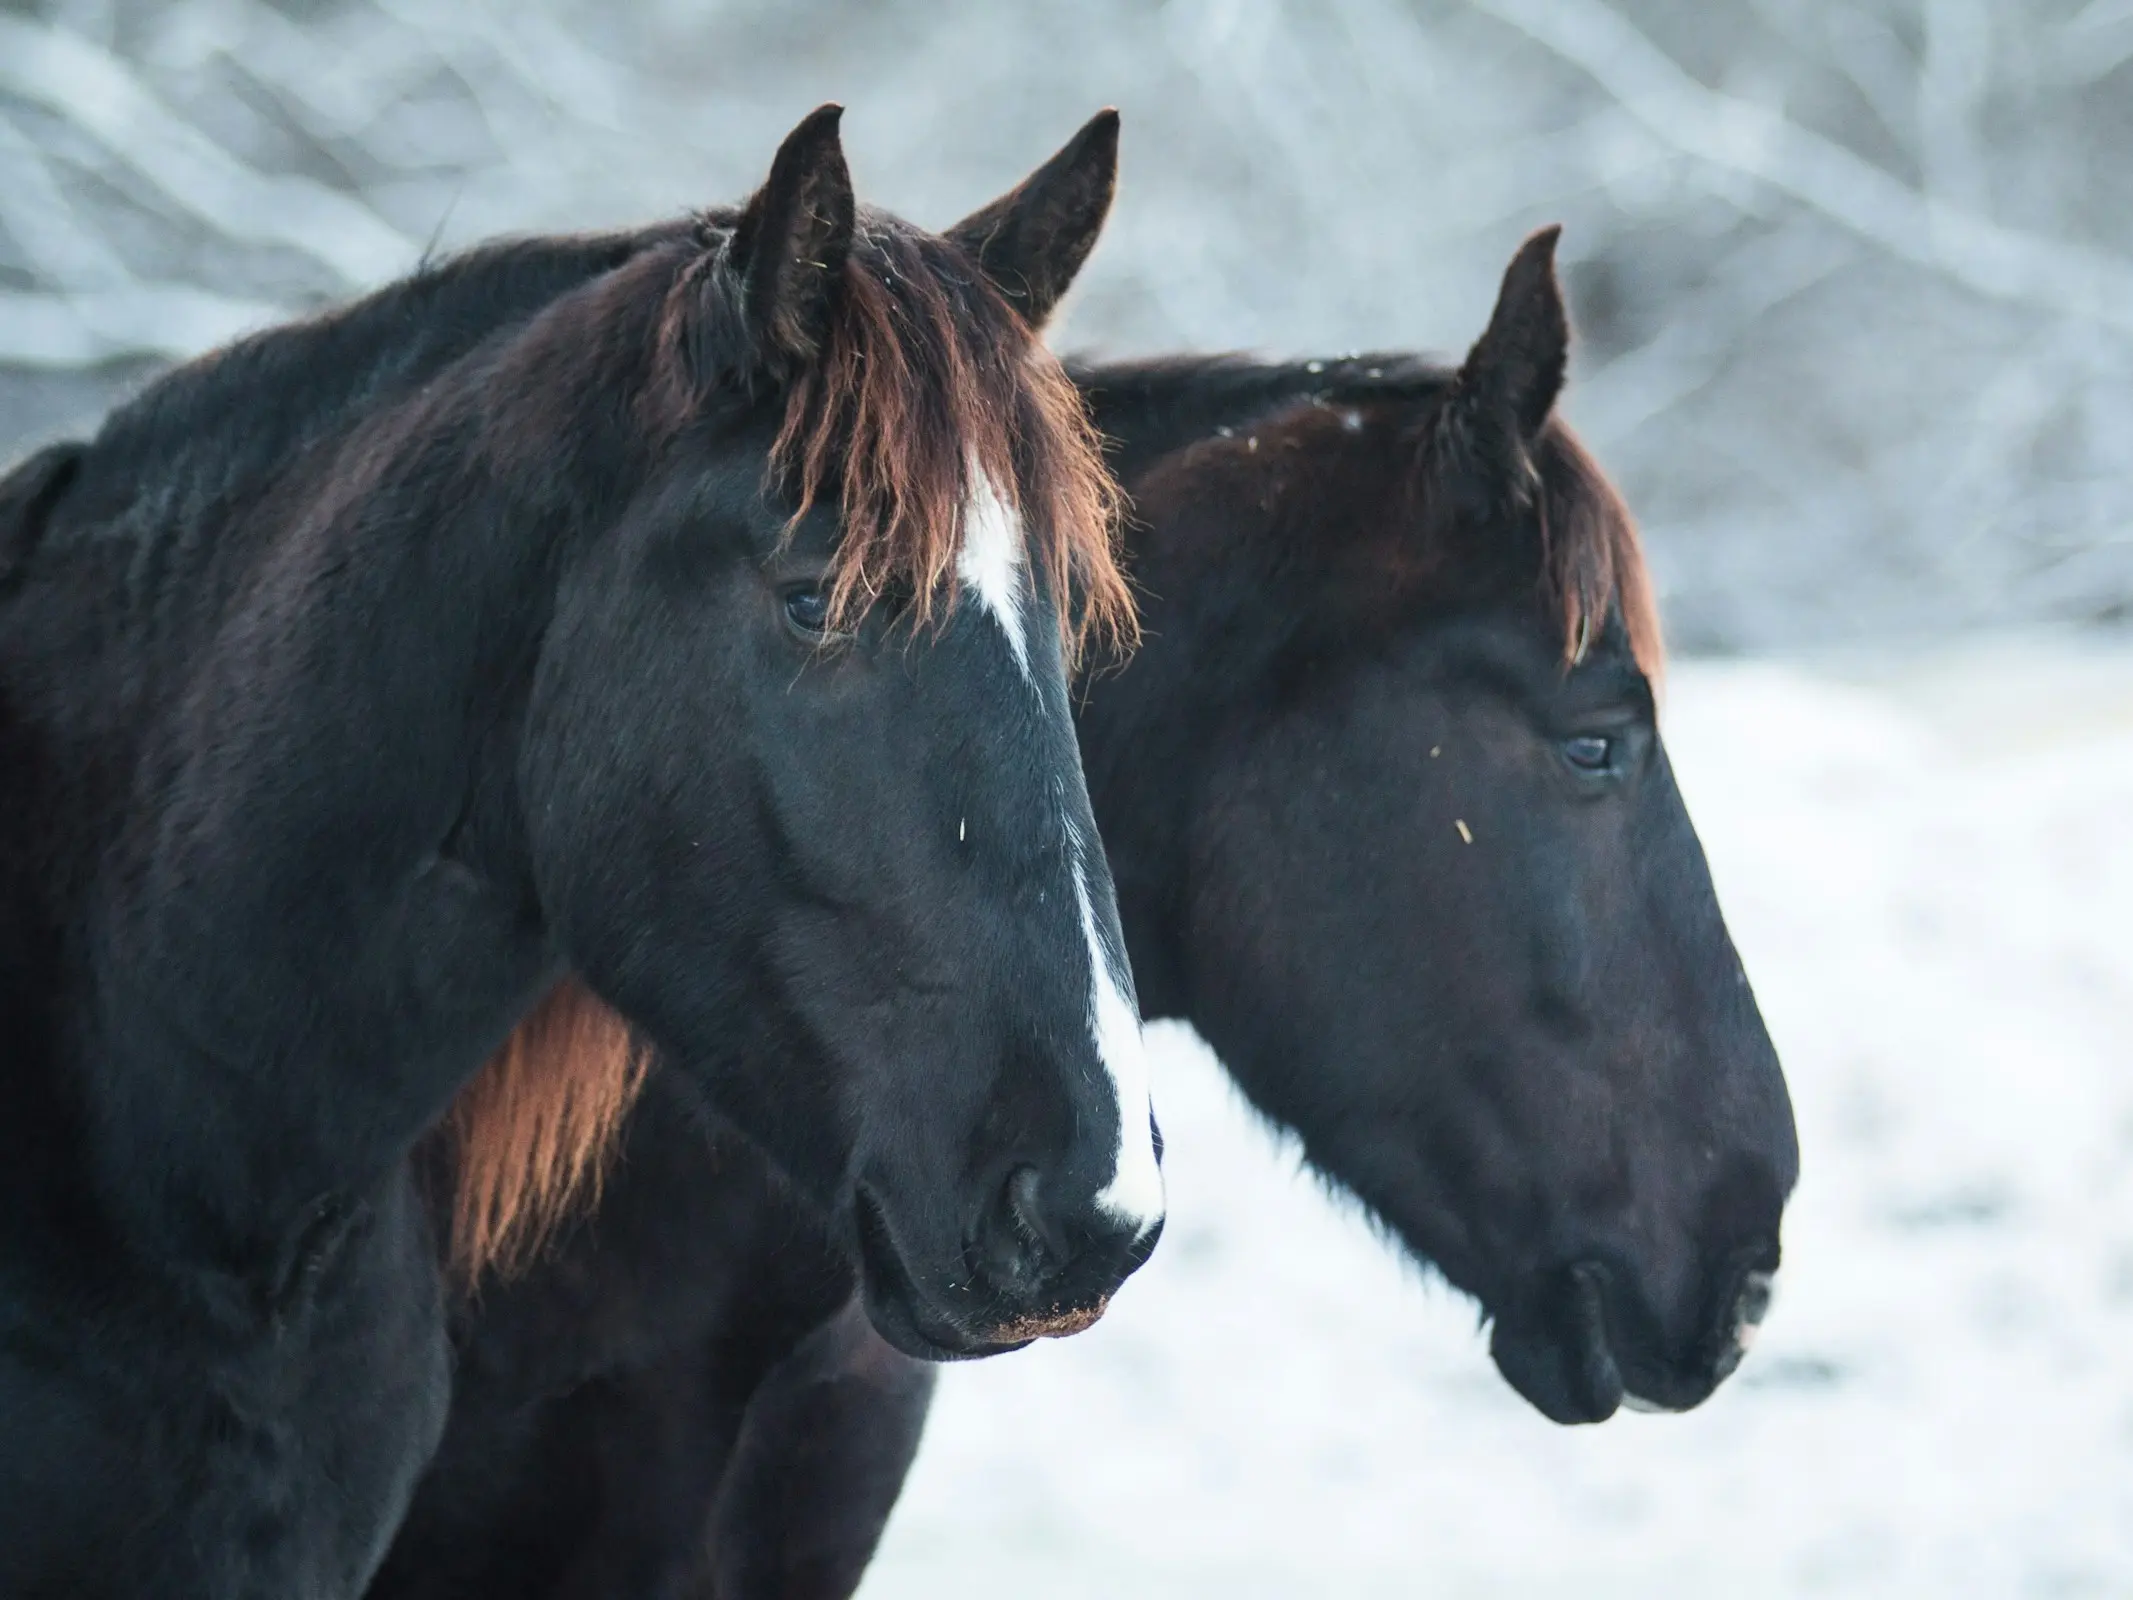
1928,866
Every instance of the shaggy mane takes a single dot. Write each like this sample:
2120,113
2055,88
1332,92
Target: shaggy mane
531,1137
927,380
1267,451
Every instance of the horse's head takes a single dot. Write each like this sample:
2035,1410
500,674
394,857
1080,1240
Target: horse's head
799,775
1440,906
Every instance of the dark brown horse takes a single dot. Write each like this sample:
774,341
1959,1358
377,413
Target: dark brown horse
1392,826
445,681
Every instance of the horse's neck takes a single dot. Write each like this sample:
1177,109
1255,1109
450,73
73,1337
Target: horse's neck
147,544
1145,729
1149,409
221,431
307,926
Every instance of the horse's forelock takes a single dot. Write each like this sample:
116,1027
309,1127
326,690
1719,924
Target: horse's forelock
926,377
1593,560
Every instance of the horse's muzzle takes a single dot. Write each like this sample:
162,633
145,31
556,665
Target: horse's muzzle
1589,1348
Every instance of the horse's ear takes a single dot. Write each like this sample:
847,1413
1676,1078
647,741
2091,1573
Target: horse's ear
1033,239
1515,370
790,246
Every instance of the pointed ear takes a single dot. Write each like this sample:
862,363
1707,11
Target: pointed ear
790,247
1033,239
1515,370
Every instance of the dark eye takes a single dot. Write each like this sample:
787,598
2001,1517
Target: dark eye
1590,752
808,610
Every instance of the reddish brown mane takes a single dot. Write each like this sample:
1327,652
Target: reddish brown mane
531,1135
926,375
1347,475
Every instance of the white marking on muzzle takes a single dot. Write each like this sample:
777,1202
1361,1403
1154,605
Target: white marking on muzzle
1135,1193
990,567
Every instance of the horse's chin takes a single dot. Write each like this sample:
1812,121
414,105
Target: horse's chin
1561,1358
902,1313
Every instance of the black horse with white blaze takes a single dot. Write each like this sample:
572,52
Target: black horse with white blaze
1392,825
678,618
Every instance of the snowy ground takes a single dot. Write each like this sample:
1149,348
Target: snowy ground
1929,870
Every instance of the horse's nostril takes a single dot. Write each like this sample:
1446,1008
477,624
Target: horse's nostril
1750,1305
1016,1246
1023,1202
1754,1305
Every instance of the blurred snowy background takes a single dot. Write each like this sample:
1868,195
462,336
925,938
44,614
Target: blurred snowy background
1854,277
1854,280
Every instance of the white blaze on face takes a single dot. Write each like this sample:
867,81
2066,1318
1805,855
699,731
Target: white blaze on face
990,567
1135,1193
990,563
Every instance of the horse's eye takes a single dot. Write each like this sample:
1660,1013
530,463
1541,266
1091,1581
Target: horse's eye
1589,752
808,610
